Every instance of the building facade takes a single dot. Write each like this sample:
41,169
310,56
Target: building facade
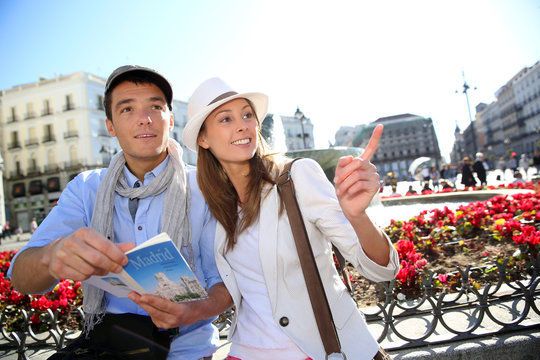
511,124
406,138
346,134
298,131
52,130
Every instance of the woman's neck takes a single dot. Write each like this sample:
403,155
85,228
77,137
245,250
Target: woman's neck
239,177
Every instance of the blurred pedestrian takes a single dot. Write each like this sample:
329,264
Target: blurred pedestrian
536,160
450,174
7,230
435,176
18,232
501,166
479,168
446,185
512,162
394,191
426,175
524,163
426,189
411,191
33,225
518,178
467,178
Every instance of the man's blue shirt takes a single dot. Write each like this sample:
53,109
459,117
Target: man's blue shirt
74,210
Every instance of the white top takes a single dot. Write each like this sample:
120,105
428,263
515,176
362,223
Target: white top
257,336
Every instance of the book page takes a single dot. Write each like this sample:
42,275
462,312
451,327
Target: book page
112,283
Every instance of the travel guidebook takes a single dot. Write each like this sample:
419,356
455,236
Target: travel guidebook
155,267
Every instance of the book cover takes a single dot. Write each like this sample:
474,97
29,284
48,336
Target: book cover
155,267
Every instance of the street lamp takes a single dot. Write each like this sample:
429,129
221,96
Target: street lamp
300,116
465,90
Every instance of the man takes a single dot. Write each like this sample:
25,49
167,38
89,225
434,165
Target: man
479,168
102,213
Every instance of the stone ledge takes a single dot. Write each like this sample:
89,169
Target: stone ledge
522,345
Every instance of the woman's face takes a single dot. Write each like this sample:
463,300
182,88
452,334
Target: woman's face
230,132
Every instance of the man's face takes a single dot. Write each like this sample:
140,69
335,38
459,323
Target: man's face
141,121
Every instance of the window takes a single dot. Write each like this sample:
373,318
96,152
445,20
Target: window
18,171
46,108
71,131
69,103
48,134
29,111
51,163
100,102
13,116
18,190
14,141
53,184
73,155
32,165
32,139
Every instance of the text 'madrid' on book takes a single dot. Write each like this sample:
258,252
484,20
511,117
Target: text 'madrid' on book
155,267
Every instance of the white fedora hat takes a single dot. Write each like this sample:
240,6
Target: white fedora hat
210,95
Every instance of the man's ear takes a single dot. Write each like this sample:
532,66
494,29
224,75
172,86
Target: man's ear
171,122
110,127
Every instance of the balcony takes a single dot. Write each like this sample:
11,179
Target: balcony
71,134
46,112
51,169
48,138
16,174
33,171
31,142
12,119
73,165
14,145
29,115
68,107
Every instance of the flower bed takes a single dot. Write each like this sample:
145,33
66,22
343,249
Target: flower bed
65,297
480,234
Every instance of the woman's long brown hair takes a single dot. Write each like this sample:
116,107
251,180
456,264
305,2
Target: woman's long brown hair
221,195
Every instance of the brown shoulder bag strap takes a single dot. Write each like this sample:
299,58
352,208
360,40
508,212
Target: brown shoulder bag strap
319,302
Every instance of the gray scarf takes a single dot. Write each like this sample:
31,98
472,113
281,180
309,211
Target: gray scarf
174,219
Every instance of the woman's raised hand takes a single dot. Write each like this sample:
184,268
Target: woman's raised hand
356,179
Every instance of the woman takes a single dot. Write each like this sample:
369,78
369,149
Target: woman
467,177
254,246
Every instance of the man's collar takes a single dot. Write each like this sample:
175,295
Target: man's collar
132,179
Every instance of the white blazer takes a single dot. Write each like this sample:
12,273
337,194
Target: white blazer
287,290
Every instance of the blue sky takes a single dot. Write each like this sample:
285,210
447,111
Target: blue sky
341,62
